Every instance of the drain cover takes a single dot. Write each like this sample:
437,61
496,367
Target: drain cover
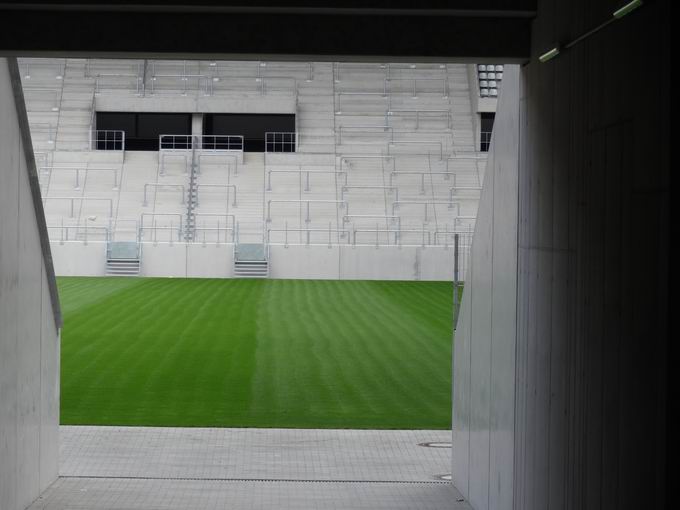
436,444
446,477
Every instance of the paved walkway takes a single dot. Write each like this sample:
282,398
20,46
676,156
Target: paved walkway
198,468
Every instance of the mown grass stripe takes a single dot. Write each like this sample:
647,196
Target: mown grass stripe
256,353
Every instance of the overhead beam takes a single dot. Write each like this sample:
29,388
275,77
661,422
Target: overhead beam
431,32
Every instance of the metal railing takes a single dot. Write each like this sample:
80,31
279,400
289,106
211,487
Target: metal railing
361,129
280,141
419,115
85,169
485,141
156,186
38,129
42,99
232,157
344,189
386,69
300,172
261,85
447,176
175,142
214,143
34,68
226,227
341,233
171,223
426,205
82,199
219,142
437,143
347,159
65,233
117,82
341,203
182,83
94,67
107,140
217,186
413,86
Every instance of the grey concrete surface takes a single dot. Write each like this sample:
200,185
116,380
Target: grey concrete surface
131,494
273,454
202,468
29,338
586,362
484,356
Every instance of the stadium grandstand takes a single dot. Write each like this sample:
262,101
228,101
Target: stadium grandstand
141,162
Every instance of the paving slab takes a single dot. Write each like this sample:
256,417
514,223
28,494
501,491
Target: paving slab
164,468
259,454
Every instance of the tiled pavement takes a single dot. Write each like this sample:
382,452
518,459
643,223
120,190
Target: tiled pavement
197,468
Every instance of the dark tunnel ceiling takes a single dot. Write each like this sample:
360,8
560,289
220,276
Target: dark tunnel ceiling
351,29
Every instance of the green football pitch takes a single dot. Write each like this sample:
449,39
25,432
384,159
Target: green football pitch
256,353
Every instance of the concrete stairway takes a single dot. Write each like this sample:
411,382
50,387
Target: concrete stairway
122,267
250,261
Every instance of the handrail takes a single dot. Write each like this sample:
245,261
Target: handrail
342,203
418,142
217,155
102,77
344,189
284,140
213,143
422,174
397,204
300,171
156,185
308,231
226,216
218,186
364,129
82,199
415,80
64,231
444,112
112,140
78,169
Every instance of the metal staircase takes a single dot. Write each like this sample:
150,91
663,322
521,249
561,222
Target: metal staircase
123,258
250,261
192,198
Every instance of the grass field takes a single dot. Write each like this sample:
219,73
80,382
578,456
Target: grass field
256,353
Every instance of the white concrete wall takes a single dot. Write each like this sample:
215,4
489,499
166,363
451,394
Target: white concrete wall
484,344
561,356
361,263
210,260
79,259
29,338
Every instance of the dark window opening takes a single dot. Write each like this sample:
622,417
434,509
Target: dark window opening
142,130
487,119
273,132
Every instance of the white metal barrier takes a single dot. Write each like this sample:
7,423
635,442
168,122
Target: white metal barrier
72,201
280,141
107,140
217,186
85,169
157,186
341,203
300,172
